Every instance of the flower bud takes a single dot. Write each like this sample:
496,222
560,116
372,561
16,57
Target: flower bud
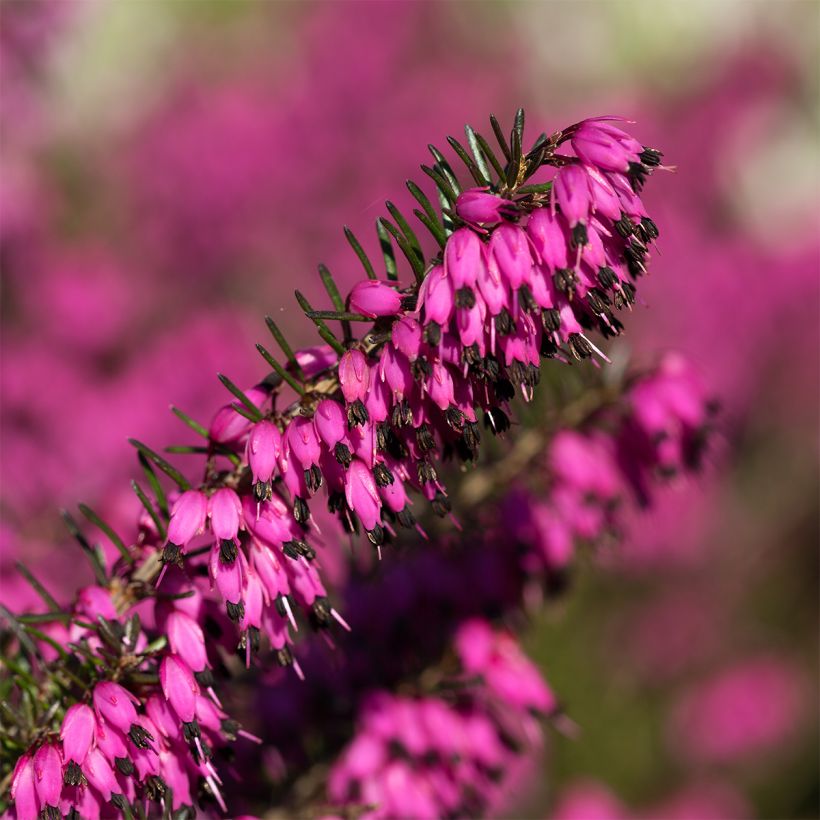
187,640
329,421
302,441
572,193
354,376
23,793
48,775
406,336
362,494
115,704
509,255
373,298
77,732
437,297
463,257
100,775
440,386
264,447
179,687
597,142
225,510
478,205
187,517
546,232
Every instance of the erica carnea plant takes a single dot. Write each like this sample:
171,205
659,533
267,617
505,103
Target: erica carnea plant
113,704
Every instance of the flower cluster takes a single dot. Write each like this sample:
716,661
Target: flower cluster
428,757
659,431
370,419
520,274
149,737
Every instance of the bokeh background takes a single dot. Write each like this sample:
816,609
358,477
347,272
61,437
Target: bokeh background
172,170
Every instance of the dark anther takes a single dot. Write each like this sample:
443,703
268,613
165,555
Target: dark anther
441,505
504,323
72,814
650,157
597,300
122,804
227,551
279,603
250,635
472,435
376,535
504,390
382,435
172,554
155,787
342,453
610,326
205,677
140,737
402,415
637,174
551,320
532,375
284,657
634,255
465,298
396,447
607,277
648,230
313,478
230,729
190,731
579,346
382,474
432,333
295,548
424,438
454,417
497,420
471,354
336,502
564,280
124,766
320,612
421,369
624,226
263,491
426,472
184,813
51,813
408,303
579,235
490,368
548,347
625,295
405,518
357,414
73,774
525,299
301,511
235,611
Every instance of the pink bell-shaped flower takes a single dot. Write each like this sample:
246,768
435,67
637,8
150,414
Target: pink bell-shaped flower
373,298
225,510
179,687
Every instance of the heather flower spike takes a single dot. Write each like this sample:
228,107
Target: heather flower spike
408,368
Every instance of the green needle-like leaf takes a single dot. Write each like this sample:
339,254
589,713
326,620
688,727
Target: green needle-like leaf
108,530
444,167
336,298
93,554
284,346
280,370
323,330
387,252
412,257
474,170
149,508
499,135
434,226
169,469
186,419
47,597
481,149
442,185
359,251
412,239
249,405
